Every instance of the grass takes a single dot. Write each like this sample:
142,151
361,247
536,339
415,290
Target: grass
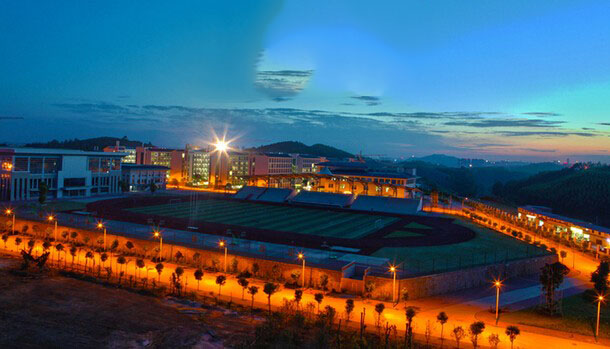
290,219
579,316
486,247
402,234
415,225
57,206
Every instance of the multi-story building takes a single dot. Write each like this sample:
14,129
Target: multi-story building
270,163
197,165
140,177
229,168
66,173
130,158
174,159
303,163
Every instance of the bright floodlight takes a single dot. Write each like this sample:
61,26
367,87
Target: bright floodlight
221,146
497,283
392,268
301,256
156,234
100,225
601,298
8,211
51,218
221,243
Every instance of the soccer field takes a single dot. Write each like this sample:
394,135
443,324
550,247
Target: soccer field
299,220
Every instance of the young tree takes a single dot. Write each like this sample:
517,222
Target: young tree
404,294
129,246
379,308
442,319
121,260
18,242
159,268
512,332
88,255
46,246
319,297
410,313
179,272
140,264
563,255
220,281
255,268
298,295
599,278
59,248
104,258
551,278
73,251
198,276
458,333
73,236
493,340
243,282
252,290
475,329
4,239
269,289
349,308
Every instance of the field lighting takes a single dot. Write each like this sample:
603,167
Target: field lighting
221,146
100,226
222,244
157,235
393,270
51,218
497,285
600,299
8,213
302,256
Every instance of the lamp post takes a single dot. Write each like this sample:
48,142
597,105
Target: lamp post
222,243
8,213
600,299
302,256
51,219
157,234
497,284
393,270
100,225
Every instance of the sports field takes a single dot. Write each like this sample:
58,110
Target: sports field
299,220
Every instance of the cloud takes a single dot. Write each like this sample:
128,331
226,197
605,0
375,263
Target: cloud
544,133
506,123
541,114
280,99
539,150
368,100
604,123
282,83
11,117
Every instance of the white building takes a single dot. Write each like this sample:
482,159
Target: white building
67,173
140,177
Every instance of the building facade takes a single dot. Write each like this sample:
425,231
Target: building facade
304,163
197,166
229,169
174,159
140,177
66,173
130,158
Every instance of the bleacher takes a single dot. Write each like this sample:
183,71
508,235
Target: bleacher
275,195
387,205
323,199
249,193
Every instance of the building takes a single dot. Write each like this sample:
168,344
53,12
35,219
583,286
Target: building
229,169
140,177
67,173
130,158
197,166
304,163
543,217
270,163
174,159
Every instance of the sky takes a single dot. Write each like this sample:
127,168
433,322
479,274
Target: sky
518,80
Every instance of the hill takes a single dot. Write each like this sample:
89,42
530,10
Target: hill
298,147
87,144
440,159
577,193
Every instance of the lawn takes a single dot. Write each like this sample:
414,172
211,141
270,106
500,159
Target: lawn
290,219
415,225
56,206
486,248
579,316
402,234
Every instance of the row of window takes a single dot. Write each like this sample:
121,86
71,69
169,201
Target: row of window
37,165
104,165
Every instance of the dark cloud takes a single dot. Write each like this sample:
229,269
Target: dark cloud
541,114
282,83
368,100
100,107
539,150
543,134
506,123
604,123
11,117
280,99
588,129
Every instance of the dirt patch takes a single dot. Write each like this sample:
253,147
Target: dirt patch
52,311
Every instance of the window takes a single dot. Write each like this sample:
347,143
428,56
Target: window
116,164
74,182
36,165
51,165
105,165
94,164
21,164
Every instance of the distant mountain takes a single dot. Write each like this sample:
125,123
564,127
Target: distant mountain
575,192
298,147
440,159
87,144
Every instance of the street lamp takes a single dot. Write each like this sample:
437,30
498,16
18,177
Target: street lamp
222,243
100,225
393,270
302,256
600,299
497,285
157,234
8,213
51,218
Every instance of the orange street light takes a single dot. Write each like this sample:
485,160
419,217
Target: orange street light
600,299
222,243
52,218
100,225
497,285
157,234
302,256
393,270
8,213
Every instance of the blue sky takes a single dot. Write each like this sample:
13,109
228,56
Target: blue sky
519,80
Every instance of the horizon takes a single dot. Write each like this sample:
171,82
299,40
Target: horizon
514,81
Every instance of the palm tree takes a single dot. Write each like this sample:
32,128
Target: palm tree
349,307
220,281
319,297
73,251
512,332
442,319
270,288
252,290
59,248
159,268
243,282
88,255
198,276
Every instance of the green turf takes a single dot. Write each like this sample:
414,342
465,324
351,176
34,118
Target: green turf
402,234
290,219
415,225
487,247
579,316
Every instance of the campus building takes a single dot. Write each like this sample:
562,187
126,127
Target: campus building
229,169
140,177
543,217
171,158
304,163
197,165
66,173
130,158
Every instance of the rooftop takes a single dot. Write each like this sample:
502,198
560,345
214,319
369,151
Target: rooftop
545,211
51,151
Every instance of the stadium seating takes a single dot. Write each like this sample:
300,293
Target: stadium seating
274,195
249,193
385,204
323,199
